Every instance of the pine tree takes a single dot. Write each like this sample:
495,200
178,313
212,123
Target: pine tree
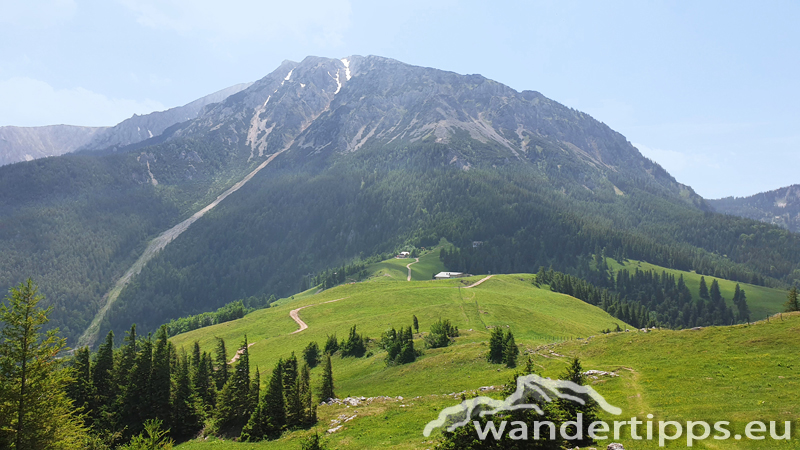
327,389
195,355
331,345
510,350
269,416
202,383
354,345
80,389
496,341
311,354
160,378
255,391
102,370
309,409
127,357
792,304
186,417
571,408
291,393
703,289
416,324
232,410
221,369
716,296
35,411
137,400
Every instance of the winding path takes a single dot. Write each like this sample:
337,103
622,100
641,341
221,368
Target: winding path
295,314
239,353
478,282
408,266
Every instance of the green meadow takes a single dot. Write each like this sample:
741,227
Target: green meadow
763,301
737,374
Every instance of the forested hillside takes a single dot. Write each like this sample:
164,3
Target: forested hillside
368,155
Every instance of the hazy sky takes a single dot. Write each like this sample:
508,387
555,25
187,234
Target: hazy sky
710,90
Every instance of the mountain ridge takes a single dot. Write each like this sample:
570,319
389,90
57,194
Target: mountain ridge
28,143
779,207
374,155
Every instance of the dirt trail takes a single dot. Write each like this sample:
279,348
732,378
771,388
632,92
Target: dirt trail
295,314
408,266
239,353
89,336
478,282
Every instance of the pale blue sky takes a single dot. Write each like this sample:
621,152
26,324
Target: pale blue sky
708,89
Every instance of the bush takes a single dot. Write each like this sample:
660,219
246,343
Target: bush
442,333
354,345
399,346
331,345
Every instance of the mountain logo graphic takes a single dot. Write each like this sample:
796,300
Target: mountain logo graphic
531,390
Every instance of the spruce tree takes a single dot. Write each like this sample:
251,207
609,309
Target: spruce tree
221,369
137,400
311,354
327,389
416,324
80,389
160,379
255,392
510,350
195,355
715,294
269,416
186,418
571,408
703,288
308,408
127,357
232,410
202,382
102,371
792,304
291,393
35,411
496,341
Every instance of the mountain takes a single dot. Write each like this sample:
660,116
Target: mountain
29,143
140,128
780,207
329,161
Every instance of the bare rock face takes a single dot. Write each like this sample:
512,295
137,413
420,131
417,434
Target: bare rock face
29,143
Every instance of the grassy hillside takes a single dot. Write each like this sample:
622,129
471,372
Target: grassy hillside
396,268
737,374
536,316
763,301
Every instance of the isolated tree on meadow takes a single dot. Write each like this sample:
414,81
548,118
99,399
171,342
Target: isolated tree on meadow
327,389
496,341
311,354
510,350
792,304
416,324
